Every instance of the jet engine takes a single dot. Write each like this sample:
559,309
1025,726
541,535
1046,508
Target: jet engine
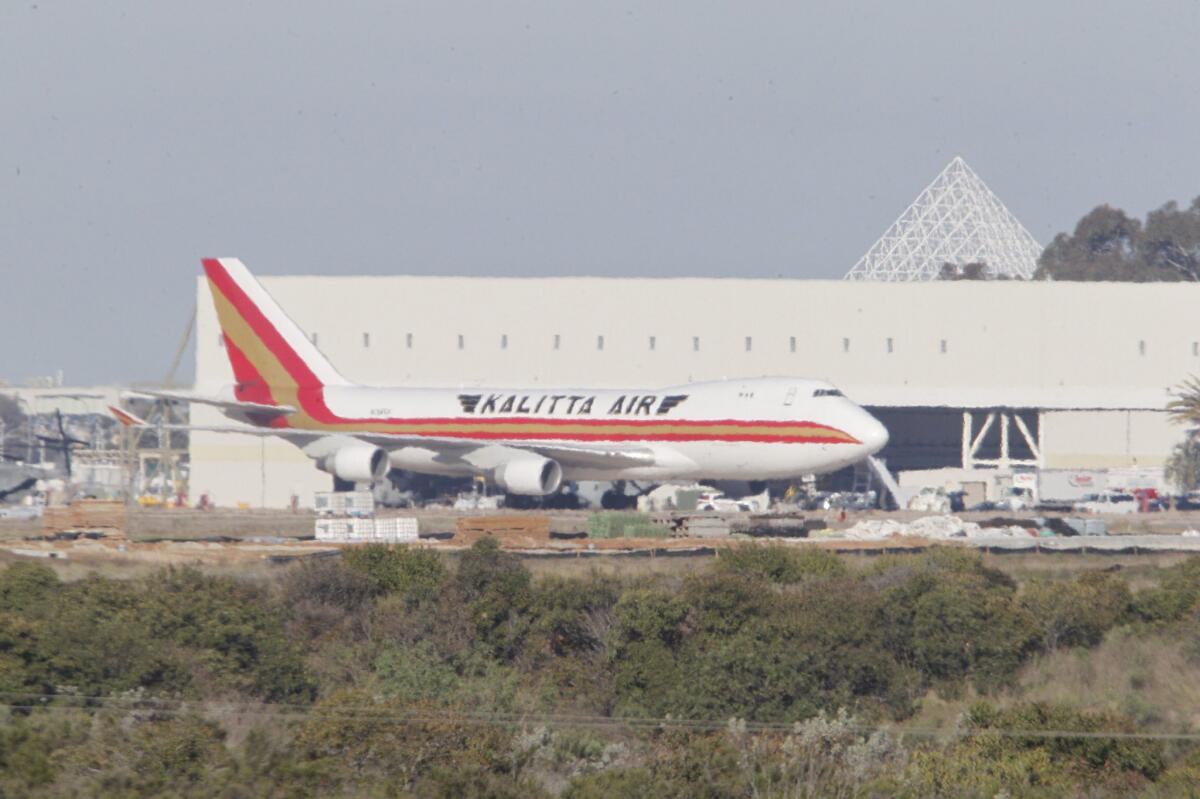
356,463
532,476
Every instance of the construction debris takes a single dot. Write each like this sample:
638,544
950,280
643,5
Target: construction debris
84,514
931,527
510,530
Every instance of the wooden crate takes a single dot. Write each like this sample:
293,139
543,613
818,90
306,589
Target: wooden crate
85,514
510,530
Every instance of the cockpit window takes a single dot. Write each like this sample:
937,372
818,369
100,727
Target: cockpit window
828,392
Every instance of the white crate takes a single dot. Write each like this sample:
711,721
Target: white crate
396,529
344,503
332,529
396,525
390,530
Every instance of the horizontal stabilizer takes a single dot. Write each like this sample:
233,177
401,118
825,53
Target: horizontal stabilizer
225,404
126,418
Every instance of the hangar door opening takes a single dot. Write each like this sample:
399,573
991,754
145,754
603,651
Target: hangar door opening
937,438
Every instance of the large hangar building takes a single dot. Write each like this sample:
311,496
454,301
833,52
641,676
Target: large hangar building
964,373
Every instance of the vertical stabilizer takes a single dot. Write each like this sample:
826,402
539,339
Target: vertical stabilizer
270,355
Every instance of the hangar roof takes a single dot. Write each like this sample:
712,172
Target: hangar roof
921,344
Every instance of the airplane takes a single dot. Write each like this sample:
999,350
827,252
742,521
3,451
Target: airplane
526,441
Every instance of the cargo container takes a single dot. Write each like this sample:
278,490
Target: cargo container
344,503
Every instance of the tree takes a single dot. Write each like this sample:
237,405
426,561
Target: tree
1172,239
975,270
1185,407
1104,246
1183,467
1108,244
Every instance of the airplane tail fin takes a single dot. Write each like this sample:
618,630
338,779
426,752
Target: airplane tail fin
126,418
270,355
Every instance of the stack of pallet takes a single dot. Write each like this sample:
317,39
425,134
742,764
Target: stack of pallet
510,530
85,514
349,517
618,524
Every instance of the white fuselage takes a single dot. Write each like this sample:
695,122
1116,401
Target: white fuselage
752,429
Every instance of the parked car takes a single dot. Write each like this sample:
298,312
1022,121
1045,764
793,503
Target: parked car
850,500
1108,502
716,501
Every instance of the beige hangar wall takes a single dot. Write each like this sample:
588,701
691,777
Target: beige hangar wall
1063,347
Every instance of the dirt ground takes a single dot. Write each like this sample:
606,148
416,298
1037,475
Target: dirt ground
241,540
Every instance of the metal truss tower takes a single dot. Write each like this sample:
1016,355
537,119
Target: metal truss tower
958,220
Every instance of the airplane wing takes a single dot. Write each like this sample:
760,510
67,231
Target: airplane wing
581,456
621,456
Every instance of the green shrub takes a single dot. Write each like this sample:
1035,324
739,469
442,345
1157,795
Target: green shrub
497,590
781,564
1077,612
329,581
1091,754
951,619
1175,596
416,574
572,616
228,632
23,585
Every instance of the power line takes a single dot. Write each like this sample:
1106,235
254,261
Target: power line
53,702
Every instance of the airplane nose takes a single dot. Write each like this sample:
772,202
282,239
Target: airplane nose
874,435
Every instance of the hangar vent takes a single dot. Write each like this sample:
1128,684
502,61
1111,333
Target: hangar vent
957,220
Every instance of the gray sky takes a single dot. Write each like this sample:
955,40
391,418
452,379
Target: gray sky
539,138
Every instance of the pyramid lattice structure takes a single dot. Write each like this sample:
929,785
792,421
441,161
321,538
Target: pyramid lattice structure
956,219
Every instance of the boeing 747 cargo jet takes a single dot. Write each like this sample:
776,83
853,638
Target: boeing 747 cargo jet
527,441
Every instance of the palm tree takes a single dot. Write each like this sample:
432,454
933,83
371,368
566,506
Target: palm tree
1185,407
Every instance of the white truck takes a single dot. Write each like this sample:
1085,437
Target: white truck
1062,488
1108,502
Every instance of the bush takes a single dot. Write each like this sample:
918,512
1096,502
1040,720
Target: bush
572,617
1090,754
1175,597
952,619
328,581
496,587
230,632
360,741
781,564
1078,612
415,574
23,585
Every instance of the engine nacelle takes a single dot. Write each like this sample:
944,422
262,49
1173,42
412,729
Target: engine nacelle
356,463
531,476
